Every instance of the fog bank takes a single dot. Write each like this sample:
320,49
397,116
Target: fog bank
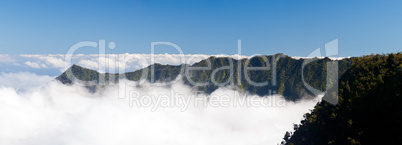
51,113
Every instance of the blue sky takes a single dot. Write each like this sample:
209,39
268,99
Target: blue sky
292,27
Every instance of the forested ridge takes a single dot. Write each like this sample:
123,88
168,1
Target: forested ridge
369,109
286,71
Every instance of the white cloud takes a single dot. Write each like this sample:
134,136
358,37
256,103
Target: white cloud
55,62
23,81
89,63
60,114
118,60
43,65
111,62
16,64
4,58
32,64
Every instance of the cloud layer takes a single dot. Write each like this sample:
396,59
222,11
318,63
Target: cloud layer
54,64
51,113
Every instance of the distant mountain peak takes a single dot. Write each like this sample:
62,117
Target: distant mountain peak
288,74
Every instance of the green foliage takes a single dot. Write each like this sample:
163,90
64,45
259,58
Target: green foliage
368,111
88,75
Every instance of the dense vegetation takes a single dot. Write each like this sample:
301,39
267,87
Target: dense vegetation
283,75
369,109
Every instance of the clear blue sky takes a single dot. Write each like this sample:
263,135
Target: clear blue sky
293,27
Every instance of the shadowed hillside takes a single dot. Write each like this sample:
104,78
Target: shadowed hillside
369,109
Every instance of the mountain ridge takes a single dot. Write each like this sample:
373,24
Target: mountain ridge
283,74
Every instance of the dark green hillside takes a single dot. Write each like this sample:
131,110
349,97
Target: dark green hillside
283,74
161,73
288,75
369,109
84,74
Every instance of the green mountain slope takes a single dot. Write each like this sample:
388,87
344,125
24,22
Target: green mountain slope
283,75
369,109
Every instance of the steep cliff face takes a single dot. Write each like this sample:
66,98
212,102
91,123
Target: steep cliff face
282,74
369,109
